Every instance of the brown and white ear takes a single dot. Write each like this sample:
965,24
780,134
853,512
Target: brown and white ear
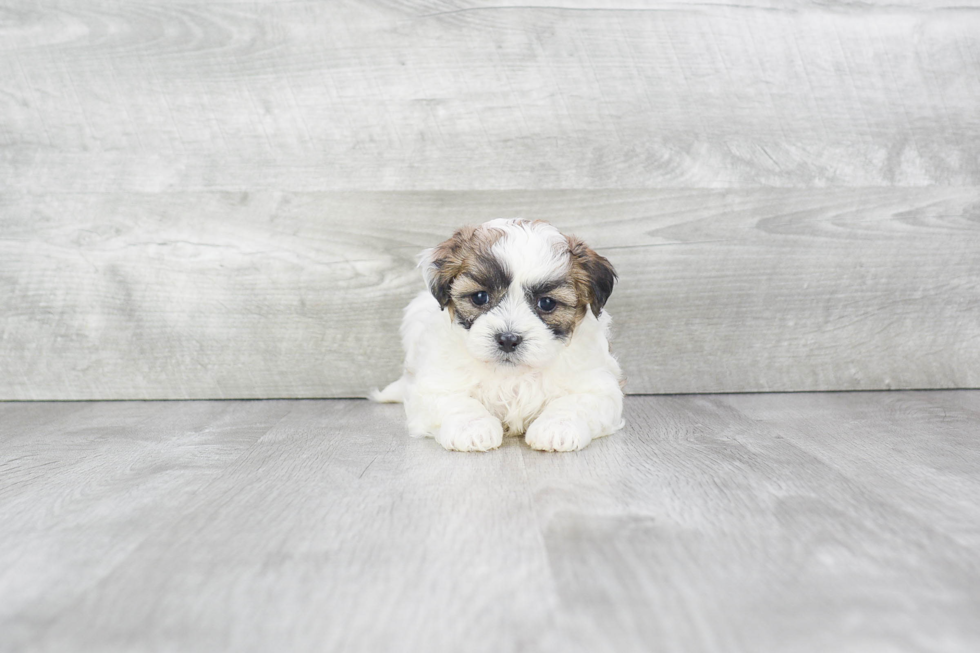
441,264
592,274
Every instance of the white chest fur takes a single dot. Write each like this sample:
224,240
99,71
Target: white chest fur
515,399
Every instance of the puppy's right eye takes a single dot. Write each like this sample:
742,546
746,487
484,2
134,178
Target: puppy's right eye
480,298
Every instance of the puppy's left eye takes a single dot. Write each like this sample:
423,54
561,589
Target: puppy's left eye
546,304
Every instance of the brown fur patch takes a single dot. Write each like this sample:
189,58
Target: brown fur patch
464,287
592,275
565,316
463,265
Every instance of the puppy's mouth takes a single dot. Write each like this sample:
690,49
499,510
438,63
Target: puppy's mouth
508,359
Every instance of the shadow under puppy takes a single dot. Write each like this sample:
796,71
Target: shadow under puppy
510,339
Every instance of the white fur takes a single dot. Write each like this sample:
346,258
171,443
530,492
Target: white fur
459,388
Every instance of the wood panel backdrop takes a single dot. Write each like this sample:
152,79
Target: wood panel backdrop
225,199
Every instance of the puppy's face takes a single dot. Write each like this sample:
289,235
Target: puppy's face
517,288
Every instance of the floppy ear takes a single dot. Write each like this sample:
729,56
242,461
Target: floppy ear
441,264
592,274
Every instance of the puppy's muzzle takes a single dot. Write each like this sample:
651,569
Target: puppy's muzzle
508,342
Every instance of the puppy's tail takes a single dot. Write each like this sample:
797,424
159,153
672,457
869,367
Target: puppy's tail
393,394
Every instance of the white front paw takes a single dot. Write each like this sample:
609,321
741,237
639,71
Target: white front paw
558,434
464,433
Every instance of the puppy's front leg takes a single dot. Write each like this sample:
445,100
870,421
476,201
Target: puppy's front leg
468,426
570,423
461,423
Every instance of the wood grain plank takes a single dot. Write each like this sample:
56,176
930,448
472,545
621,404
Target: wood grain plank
335,532
215,295
78,494
302,96
16,418
889,442
700,529
963,401
750,523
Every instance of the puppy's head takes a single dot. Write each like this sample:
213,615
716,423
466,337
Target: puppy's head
517,288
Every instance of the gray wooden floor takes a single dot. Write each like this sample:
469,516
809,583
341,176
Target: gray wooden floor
773,522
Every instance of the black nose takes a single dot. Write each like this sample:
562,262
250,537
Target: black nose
508,341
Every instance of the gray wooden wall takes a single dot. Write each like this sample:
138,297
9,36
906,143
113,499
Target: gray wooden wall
225,199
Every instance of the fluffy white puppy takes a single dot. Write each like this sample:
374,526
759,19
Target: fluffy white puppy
510,339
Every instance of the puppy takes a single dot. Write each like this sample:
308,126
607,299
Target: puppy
510,339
